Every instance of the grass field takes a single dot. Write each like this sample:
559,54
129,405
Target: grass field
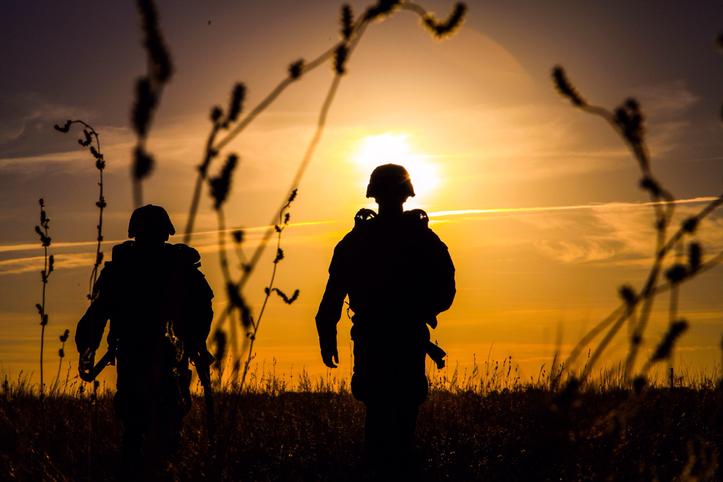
271,433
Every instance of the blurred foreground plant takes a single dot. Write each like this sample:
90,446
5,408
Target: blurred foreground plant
149,88
628,122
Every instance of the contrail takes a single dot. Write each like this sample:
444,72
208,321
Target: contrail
613,205
435,214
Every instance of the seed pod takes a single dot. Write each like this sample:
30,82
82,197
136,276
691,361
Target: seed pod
340,57
296,69
236,104
665,347
565,87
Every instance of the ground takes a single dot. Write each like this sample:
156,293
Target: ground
519,434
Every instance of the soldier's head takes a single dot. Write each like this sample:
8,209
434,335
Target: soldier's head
390,184
150,225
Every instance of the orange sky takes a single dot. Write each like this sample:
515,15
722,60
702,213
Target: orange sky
537,202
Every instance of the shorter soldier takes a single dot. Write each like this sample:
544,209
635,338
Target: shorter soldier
399,276
159,306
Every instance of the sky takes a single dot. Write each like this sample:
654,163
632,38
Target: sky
537,202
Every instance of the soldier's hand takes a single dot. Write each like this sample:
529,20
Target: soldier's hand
330,356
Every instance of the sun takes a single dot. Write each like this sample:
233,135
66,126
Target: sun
394,148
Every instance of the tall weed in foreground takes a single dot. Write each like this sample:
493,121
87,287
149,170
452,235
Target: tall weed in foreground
665,275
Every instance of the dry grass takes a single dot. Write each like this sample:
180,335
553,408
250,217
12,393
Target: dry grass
491,426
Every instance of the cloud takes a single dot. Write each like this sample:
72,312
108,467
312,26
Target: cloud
581,251
531,141
26,128
35,263
666,107
619,234
668,99
542,140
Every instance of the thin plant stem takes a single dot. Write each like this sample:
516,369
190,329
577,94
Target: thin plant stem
257,324
91,135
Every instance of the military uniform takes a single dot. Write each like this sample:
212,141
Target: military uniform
399,276
159,306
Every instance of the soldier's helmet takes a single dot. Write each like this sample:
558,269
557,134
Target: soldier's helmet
150,222
390,180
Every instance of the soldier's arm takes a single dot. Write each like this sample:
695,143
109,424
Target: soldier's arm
331,306
89,332
203,310
330,311
198,307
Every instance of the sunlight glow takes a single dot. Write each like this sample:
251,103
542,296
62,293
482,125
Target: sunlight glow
395,149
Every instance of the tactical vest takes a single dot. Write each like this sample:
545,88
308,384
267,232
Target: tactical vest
396,267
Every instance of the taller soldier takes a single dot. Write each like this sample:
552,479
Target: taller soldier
159,306
399,276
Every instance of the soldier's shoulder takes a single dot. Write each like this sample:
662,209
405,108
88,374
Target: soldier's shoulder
185,254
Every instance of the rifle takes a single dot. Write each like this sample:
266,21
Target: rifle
89,371
202,359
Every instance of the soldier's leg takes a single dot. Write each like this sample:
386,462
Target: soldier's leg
413,391
132,437
379,445
406,426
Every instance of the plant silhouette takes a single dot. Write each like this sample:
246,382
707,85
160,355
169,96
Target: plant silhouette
42,231
91,140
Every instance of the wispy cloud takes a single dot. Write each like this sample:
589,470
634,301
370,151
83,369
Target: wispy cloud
617,235
35,263
542,209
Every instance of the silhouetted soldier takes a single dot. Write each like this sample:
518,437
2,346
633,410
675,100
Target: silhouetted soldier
159,306
399,276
